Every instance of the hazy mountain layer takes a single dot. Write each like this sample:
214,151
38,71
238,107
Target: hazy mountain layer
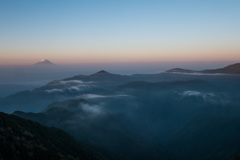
140,119
113,134
169,115
99,83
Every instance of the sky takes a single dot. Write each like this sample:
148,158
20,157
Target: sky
119,31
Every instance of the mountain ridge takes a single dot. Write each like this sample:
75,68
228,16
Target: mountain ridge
232,69
229,69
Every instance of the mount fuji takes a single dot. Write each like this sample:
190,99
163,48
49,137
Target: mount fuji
44,62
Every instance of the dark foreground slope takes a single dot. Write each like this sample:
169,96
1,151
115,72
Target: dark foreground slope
212,137
112,134
25,139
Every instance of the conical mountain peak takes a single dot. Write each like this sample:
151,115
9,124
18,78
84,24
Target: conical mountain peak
44,62
102,72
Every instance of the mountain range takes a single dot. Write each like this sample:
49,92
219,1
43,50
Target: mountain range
178,114
103,82
230,69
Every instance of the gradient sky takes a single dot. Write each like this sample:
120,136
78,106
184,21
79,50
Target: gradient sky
111,31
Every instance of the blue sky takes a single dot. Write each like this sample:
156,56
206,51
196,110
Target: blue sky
99,31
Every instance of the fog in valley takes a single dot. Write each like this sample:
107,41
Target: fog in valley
18,78
173,114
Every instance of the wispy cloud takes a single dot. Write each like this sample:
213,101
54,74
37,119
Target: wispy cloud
201,74
54,90
72,81
95,109
216,98
191,93
197,93
70,85
74,88
91,96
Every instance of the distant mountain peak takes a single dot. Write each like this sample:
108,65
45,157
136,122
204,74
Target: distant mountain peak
44,62
102,72
104,76
180,70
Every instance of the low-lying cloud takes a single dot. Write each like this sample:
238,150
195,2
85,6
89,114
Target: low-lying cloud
91,96
94,109
54,90
191,93
197,93
216,98
71,85
72,81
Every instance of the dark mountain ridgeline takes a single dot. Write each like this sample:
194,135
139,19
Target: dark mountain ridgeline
231,69
180,70
101,76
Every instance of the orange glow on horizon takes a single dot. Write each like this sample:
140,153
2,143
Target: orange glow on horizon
124,55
